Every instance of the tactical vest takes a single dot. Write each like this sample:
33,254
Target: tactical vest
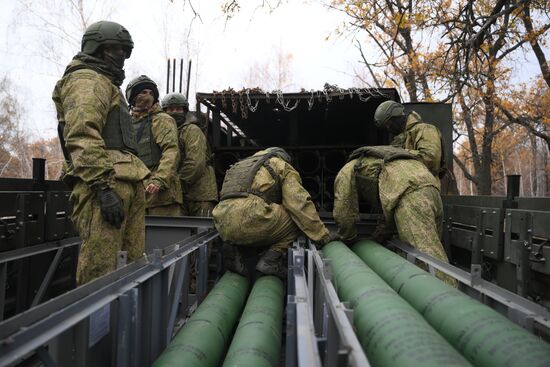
367,185
117,132
239,178
148,150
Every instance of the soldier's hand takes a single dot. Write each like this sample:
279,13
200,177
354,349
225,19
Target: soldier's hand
152,188
112,208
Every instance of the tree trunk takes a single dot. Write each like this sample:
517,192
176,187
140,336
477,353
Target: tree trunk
534,169
484,185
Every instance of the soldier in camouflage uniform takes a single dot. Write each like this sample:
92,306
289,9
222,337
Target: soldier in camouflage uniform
157,142
421,139
98,143
408,194
263,204
196,172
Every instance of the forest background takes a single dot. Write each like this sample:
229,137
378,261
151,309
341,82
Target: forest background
487,58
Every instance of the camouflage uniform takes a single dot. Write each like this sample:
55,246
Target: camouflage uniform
196,171
423,141
407,193
85,99
163,131
251,221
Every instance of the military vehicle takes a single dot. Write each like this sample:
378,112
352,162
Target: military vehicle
143,313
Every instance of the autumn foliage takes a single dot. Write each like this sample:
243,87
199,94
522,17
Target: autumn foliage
467,53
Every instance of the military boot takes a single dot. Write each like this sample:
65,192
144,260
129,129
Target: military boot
272,263
234,260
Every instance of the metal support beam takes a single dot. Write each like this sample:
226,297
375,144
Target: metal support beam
3,278
343,347
25,252
47,278
301,347
176,291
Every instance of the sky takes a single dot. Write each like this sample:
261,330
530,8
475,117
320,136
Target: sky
39,37
222,52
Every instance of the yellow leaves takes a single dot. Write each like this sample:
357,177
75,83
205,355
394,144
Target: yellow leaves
401,21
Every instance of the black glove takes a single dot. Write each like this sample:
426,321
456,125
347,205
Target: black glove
112,209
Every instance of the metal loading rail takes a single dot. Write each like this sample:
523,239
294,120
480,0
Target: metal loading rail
140,302
320,329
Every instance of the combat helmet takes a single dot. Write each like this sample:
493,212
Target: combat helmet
281,153
387,110
136,85
105,32
174,100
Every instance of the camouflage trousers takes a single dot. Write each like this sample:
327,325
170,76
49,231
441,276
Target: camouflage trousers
253,223
170,210
198,208
100,240
418,218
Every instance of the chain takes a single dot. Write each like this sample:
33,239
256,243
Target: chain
234,102
243,99
224,102
311,100
327,96
244,107
255,107
281,100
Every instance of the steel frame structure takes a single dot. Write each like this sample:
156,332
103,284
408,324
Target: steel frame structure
146,297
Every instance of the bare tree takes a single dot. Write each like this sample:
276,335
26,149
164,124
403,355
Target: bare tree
272,74
14,158
59,24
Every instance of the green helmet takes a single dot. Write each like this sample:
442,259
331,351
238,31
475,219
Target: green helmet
174,100
136,85
105,32
387,110
281,153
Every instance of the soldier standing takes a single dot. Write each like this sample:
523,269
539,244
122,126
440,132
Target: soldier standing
96,135
196,170
263,204
408,194
157,144
421,139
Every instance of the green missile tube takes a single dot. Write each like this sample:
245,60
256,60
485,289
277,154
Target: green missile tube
390,331
480,333
257,341
204,338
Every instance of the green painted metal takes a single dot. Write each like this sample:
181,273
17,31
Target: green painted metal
203,339
391,332
481,334
257,341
